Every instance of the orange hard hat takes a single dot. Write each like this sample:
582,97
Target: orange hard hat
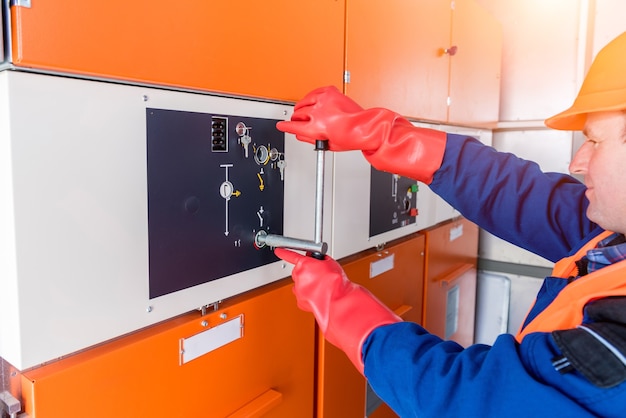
604,88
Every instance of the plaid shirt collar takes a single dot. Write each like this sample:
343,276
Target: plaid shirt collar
609,251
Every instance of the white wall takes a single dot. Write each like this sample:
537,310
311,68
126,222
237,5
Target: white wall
547,48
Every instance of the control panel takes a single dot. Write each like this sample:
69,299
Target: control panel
214,183
393,202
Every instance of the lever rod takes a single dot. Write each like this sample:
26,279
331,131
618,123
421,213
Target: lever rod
320,147
279,241
317,248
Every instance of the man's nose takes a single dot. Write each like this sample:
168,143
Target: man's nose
580,161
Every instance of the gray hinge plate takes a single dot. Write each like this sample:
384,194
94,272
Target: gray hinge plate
346,77
20,3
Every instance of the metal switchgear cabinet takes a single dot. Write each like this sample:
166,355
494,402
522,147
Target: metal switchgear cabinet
113,227
277,49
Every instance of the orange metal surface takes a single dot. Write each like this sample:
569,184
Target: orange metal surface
394,52
444,254
383,411
341,389
475,68
451,259
400,288
268,372
259,406
278,49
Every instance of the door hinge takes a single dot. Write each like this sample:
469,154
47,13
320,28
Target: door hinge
20,3
346,77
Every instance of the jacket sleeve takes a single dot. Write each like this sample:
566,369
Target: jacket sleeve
513,199
420,375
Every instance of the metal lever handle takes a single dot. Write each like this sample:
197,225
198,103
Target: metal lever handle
320,147
316,248
279,241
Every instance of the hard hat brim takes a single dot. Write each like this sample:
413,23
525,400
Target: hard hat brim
568,120
603,90
574,118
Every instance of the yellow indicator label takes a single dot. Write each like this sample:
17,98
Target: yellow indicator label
261,186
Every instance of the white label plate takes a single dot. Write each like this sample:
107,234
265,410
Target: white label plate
213,338
381,266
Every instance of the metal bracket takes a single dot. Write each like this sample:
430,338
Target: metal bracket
9,404
20,3
204,309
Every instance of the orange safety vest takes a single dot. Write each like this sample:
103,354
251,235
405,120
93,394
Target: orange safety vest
566,310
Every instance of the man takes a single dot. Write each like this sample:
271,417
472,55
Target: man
569,359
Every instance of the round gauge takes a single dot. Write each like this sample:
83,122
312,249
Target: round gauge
261,155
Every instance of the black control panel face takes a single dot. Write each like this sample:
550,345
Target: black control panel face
393,201
214,182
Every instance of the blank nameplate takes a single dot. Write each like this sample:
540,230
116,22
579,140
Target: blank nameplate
456,232
213,338
381,266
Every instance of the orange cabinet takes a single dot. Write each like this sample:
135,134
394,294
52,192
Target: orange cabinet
394,55
265,370
277,49
450,280
395,276
428,60
474,90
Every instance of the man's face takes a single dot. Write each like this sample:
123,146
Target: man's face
602,161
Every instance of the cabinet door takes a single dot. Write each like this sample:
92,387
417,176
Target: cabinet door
277,49
451,305
450,280
394,55
395,276
161,371
475,67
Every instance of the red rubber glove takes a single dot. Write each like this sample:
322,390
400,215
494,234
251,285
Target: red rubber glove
345,312
388,141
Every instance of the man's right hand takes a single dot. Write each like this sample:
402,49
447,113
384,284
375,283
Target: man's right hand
327,114
388,141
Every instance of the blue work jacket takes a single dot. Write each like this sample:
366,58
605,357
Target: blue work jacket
421,375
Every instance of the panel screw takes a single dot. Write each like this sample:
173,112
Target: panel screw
149,309
223,315
204,323
145,98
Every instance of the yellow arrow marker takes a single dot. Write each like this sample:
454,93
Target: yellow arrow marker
261,186
236,193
